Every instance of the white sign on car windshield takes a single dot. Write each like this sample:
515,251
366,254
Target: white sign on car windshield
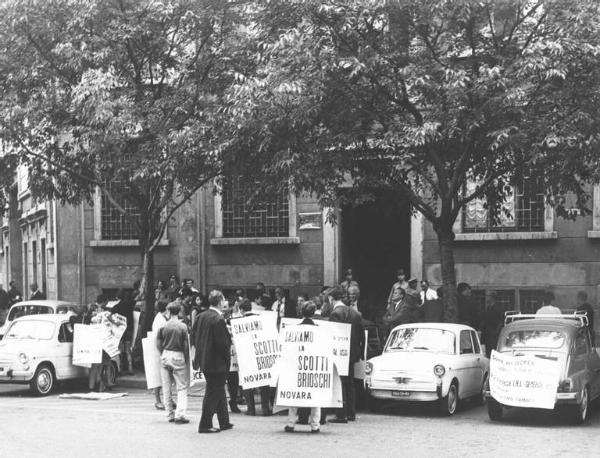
524,381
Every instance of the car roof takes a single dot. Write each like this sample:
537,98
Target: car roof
47,302
53,317
454,327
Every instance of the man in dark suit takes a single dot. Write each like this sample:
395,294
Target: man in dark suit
283,305
343,314
213,357
36,294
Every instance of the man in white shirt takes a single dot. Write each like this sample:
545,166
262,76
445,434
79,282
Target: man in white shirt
159,322
547,308
427,292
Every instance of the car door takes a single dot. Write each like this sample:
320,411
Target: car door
594,368
480,360
469,382
64,353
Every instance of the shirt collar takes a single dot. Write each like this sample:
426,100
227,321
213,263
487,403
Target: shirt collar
216,310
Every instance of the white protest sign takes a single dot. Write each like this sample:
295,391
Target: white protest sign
307,372
524,381
257,346
113,327
87,345
340,335
151,361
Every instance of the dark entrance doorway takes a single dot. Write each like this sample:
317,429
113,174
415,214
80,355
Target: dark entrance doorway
376,242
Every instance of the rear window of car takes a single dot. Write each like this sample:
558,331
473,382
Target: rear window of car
422,339
529,338
25,310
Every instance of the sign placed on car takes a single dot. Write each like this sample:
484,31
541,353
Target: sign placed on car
524,381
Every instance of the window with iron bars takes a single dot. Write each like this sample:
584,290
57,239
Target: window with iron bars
114,225
522,211
268,217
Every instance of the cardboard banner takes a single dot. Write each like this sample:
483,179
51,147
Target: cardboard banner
151,361
256,341
524,381
113,327
307,372
340,335
87,345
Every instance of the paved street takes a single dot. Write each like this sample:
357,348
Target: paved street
130,426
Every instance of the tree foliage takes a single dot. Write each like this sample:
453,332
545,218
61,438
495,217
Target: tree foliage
421,97
123,96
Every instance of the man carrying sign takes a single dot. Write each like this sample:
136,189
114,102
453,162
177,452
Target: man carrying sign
246,310
343,314
308,311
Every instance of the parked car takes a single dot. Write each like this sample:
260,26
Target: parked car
563,339
38,307
440,362
38,350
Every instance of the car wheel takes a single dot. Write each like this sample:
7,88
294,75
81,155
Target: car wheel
495,410
43,381
580,411
449,403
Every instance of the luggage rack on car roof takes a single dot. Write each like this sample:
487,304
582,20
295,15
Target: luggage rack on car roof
514,315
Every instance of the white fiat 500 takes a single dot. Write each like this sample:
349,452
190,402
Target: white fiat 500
440,362
38,350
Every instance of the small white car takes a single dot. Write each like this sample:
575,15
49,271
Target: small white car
440,362
38,350
38,307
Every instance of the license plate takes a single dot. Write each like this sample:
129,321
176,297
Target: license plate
401,394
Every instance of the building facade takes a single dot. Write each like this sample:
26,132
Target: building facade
221,241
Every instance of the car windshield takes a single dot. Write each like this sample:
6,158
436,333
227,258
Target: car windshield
530,338
422,339
24,310
30,329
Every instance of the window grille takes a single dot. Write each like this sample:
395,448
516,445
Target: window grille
114,225
525,204
268,217
530,300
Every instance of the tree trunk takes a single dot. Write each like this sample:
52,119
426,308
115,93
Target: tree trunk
446,246
146,288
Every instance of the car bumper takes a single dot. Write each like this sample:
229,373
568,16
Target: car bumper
406,396
561,398
9,375
420,391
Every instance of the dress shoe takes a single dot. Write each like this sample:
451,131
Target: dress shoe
234,408
227,426
315,431
352,418
159,406
289,429
171,419
208,430
338,420
181,421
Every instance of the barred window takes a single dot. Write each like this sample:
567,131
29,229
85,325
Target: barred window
269,217
531,300
114,225
522,211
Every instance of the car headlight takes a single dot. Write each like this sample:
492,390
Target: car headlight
439,370
23,359
368,368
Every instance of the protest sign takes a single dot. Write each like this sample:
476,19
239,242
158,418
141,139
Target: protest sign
113,327
524,381
307,373
151,361
256,342
340,335
87,345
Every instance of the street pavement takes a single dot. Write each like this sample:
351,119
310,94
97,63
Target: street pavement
131,426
